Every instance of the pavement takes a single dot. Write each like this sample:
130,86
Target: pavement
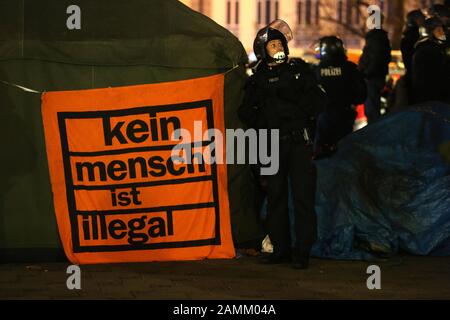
402,277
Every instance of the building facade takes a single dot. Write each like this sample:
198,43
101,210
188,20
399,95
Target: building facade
308,19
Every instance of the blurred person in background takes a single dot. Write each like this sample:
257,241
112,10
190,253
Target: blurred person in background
431,64
414,21
345,88
374,64
400,96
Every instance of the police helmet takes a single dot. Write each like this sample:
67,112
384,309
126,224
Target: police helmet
276,30
413,16
432,23
331,48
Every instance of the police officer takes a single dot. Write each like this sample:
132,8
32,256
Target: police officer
414,21
283,94
345,88
442,11
431,66
374,63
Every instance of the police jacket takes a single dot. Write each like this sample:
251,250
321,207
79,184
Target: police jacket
285,97
374,61
409,39
431,71
343,83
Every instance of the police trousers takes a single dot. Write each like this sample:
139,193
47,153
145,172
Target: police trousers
295,163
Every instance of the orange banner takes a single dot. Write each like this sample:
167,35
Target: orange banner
118,195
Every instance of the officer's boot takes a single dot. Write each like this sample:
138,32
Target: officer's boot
300,258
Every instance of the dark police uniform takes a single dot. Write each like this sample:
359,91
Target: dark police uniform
431,71
431,66
345,86
411,34
287,97
374,63
410,37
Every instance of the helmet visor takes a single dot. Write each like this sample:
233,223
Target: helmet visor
283,27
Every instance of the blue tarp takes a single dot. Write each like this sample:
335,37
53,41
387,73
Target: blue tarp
387,189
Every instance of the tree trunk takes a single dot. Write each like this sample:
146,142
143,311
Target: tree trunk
396,22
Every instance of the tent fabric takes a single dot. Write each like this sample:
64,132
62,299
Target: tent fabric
387,189
119,44
114,32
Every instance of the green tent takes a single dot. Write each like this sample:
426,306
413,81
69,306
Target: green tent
119,43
